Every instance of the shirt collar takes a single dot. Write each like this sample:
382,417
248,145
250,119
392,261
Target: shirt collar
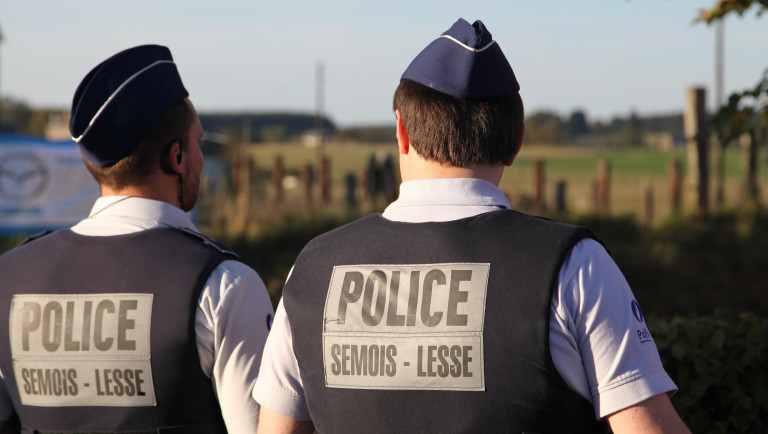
444,199
147,213
450,191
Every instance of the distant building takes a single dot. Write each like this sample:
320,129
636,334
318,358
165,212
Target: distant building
57,127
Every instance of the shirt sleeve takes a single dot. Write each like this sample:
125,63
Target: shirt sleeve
607,330
279,386
232,322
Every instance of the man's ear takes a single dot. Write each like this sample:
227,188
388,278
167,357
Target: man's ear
511,159
403,142
171,161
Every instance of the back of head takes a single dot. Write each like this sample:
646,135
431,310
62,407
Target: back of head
124,111
459,99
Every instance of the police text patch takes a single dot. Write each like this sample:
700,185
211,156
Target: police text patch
405,327
82,350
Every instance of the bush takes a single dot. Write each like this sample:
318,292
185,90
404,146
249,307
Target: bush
9,242
721,369
692,266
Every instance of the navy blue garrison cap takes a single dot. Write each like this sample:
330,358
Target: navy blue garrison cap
117,103
464,62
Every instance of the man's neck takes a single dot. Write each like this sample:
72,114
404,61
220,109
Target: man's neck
419,168
146,192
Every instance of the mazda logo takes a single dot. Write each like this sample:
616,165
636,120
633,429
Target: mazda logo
23,176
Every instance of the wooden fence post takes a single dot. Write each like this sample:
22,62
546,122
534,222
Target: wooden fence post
364,188
242,190
235,173
538,185
306,183
696,126
675,190
603,186
388,186
277,178
325,179
560,188
650,206
350,182
373,181
748,144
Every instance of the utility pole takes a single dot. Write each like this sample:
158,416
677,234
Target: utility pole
719,150
696,127
323,168
319,121
719,64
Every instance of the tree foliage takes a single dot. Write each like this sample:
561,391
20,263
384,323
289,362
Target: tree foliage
746,111
545,127
15,116
729,7
577,124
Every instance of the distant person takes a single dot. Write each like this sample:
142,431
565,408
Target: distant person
450,312
132,321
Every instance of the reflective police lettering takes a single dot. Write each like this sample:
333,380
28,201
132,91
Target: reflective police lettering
52,331
405,326
82,349
56,382
442,361
433,297
364,360
119,382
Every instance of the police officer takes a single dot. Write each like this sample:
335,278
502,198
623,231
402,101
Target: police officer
132,320
450,312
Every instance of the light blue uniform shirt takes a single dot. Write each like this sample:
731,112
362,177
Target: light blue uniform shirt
232,318
594,338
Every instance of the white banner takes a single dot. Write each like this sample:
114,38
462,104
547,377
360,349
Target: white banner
43,185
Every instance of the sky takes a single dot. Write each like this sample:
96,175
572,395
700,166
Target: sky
606,58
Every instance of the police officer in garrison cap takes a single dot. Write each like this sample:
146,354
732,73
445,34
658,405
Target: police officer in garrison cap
450,312
131,320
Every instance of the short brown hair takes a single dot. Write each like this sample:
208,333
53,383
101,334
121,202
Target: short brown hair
462,132
134,169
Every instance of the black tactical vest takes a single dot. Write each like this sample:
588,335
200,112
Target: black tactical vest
434,327
97,333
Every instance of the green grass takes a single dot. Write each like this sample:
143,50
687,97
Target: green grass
344,158
636,175
348,158
628,161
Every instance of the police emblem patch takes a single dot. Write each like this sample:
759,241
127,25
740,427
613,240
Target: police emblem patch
406,327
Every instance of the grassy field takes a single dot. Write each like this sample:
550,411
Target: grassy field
635,174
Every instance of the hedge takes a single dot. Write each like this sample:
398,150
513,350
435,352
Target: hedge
720,365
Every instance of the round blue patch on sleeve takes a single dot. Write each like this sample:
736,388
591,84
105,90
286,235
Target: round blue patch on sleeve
636,311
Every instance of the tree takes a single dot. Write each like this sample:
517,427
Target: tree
273,133
745,112
634,130
726,7
544,127
577,124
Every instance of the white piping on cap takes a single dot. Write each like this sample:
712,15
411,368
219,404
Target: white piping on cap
125,83
476,50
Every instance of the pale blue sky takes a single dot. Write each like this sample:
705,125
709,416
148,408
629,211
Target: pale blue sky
606,57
